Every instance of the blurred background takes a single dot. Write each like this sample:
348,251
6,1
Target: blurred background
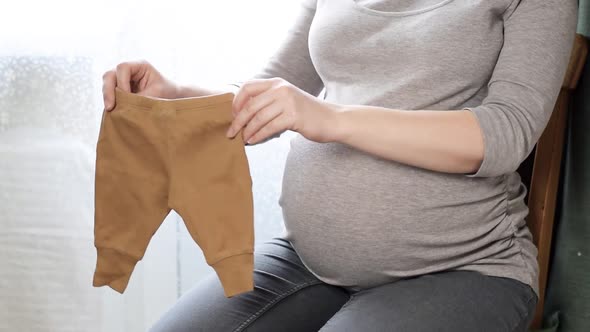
52,57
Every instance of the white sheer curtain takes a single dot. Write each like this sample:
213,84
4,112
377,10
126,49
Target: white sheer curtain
52,56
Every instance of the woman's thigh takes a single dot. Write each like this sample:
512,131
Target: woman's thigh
448,301
286,297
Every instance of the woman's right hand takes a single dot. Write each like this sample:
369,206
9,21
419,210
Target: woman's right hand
137,77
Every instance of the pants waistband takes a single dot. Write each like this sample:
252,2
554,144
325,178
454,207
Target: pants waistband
178,104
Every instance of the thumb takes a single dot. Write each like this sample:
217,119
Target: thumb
142,93
145,92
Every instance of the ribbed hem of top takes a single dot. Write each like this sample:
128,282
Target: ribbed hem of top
236,274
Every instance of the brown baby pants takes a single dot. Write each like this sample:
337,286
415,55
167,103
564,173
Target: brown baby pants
154,155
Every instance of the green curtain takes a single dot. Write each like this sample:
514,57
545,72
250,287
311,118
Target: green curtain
567,306
584,21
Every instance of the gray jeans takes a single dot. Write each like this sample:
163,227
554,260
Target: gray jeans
287,297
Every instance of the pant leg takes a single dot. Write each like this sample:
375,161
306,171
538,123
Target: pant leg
212,190
286,298
131,189
449,301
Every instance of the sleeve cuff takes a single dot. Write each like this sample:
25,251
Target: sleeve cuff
236,274
485,168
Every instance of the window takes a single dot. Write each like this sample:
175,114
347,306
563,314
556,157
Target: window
52,57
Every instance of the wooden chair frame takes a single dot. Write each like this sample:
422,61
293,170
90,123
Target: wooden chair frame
541,171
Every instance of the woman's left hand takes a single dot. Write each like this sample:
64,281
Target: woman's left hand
265,107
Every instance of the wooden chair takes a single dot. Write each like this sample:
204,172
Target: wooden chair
540,172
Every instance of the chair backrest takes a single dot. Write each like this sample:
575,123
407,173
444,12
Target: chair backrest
540,172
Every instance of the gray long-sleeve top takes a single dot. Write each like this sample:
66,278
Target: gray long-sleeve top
358,220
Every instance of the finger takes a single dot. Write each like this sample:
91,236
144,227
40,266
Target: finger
261,101
249,89
127,71
240,120
109,80
140,73
255,104
277,125
261,119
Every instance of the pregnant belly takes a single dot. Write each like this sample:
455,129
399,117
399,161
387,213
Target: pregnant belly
356,219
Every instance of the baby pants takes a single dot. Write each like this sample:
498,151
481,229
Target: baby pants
154,155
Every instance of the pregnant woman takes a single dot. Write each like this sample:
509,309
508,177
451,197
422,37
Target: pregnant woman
402,206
